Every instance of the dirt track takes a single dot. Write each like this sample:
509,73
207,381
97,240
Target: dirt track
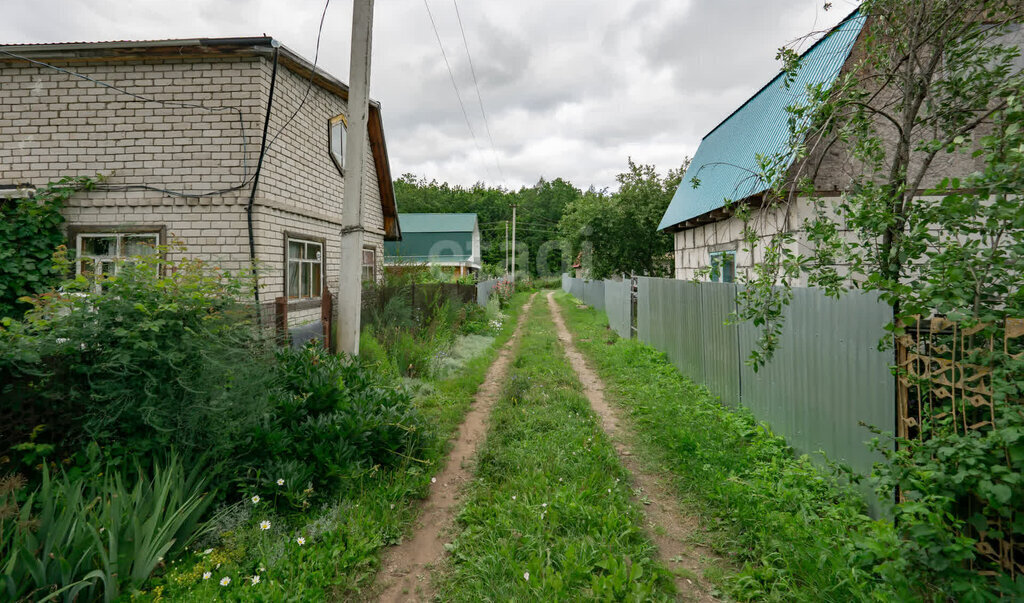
667,526
405,569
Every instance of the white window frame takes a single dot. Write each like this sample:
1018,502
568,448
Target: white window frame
116,260
339,124
303,263
372,265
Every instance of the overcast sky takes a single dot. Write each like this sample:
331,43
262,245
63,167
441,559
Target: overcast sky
571,88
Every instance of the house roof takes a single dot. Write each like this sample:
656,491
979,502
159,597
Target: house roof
437,222
434,239
726,161
194,48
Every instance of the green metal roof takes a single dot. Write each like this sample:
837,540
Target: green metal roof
433,238
437,222
726,160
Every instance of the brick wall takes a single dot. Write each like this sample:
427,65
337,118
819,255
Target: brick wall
54,125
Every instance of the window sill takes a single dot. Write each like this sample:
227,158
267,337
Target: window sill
304,303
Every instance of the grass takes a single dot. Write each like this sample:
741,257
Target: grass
549,516
794,530
343,541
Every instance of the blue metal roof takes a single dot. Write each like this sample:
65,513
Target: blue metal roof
726,160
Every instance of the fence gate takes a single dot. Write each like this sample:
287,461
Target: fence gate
633,295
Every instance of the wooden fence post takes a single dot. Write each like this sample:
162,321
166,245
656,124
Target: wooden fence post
327,316
281,319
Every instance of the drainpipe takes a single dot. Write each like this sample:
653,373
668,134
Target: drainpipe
256,180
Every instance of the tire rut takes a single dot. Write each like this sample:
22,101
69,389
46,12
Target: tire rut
405,568
668,527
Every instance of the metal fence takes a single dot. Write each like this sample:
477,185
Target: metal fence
484,289
616,305
826,381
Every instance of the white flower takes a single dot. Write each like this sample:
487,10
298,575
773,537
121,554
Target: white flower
255,579
526,576
207,551
543,504
513,497
300,540
264,525
280,482
433,480
262,569
206,575
255,499
225,581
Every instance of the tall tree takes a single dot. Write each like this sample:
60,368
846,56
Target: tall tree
617,233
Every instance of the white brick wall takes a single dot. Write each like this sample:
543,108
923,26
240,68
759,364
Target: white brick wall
54,125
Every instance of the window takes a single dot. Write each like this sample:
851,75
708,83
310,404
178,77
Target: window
103,253
369,265
305,269
338,137
723,266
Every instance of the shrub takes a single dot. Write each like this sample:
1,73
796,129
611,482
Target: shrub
335,420
160,356
92,537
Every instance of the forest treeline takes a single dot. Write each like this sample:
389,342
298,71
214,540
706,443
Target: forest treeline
611,232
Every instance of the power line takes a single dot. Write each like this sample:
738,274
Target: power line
479,98
451,75
312,75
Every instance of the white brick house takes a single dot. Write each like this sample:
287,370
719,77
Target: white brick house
180,156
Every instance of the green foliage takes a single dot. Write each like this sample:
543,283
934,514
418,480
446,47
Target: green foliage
334,420
95,537
30,233
551,499
540,207
160,356
618,233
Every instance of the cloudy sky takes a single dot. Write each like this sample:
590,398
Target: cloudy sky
571,88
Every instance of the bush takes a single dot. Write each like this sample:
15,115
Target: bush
92,537
334,420
161,356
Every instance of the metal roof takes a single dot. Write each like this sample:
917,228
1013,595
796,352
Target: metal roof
437,222
726,160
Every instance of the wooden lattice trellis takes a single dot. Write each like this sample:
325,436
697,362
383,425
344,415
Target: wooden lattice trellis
939,377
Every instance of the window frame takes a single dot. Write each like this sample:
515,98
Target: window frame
76,233
373,265
716,275
331,123
304,240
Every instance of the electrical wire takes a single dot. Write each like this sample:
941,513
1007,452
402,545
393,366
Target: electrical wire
479,98
312,75
143,98
451,75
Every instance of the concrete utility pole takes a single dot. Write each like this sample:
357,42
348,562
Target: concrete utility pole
506,247
513,242
350,290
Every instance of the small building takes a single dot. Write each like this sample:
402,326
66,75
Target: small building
449,240
177,127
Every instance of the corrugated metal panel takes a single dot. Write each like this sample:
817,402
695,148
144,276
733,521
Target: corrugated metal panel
593,294
437,222
422,247
726,160
483,291
616,304
721,342
826,379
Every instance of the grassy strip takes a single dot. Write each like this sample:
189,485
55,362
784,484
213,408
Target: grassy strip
549,517
340,548
796,531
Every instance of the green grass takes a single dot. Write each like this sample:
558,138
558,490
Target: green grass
794,531
551,499
343,541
